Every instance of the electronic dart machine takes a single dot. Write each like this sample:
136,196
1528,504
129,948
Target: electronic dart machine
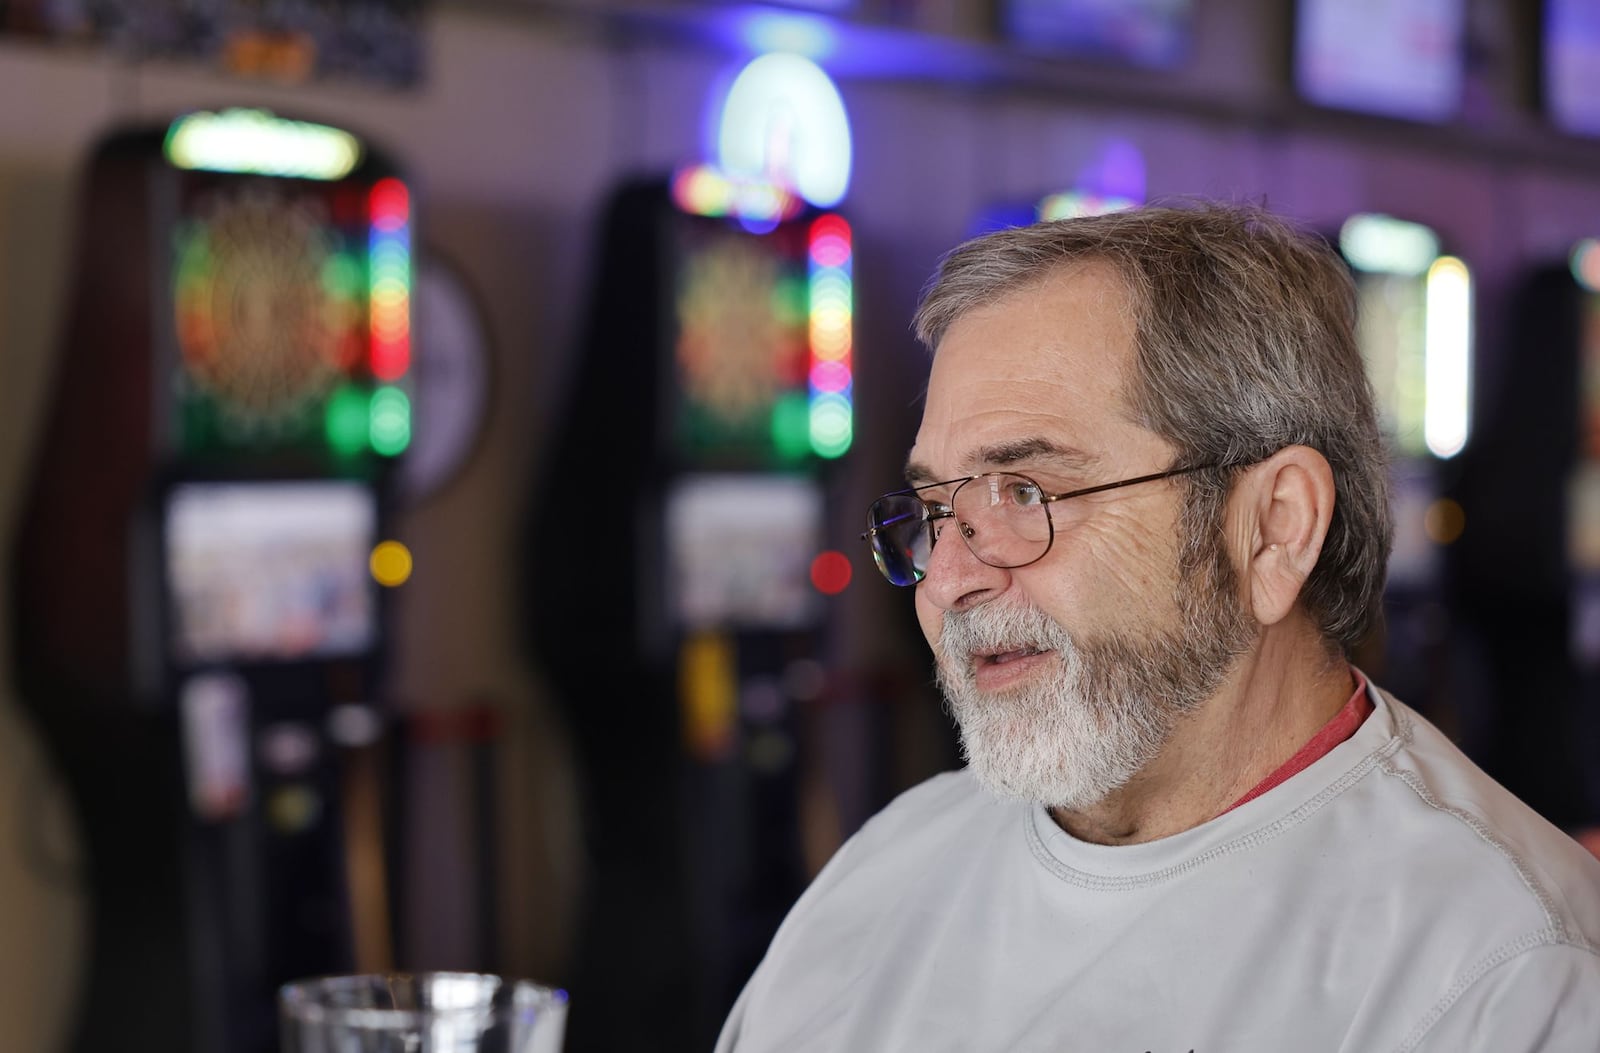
679,582
1415,329
1530,565
1571,797
200,625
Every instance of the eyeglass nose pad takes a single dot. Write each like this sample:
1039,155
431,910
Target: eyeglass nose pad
967,530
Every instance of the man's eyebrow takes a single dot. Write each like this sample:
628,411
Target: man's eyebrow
1010,454
1032,450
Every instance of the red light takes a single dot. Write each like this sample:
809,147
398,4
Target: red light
391,204
830,572
830,241
391,358
831,225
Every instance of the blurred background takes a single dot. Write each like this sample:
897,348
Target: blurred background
434,439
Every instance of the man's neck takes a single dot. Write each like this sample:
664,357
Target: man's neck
1274,700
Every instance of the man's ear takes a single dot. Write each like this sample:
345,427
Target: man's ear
1285,506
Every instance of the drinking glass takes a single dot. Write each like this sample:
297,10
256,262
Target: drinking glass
431,1012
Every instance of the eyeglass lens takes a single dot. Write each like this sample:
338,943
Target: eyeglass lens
1001,516
901,543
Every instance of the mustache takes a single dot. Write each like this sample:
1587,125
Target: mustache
987,628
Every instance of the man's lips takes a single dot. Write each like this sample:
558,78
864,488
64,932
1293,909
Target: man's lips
1010,655
997,670
999,656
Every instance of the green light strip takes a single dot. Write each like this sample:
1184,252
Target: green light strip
259,143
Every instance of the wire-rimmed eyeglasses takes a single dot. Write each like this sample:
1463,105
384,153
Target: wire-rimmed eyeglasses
1004,517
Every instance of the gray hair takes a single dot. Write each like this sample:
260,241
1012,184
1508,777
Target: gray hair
1245,343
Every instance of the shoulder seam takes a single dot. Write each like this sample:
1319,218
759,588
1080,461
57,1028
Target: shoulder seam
1551,937
1477,826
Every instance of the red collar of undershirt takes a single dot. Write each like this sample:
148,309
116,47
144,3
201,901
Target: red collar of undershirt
1342,726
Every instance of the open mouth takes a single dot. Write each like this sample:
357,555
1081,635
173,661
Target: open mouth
1009,655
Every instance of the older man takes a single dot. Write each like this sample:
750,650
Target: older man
1146,522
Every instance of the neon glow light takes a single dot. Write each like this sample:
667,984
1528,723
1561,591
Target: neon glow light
389,429
1586,263
830,572
791,426
798,34
390,564
1385,245
255,141
1449,356
347,420
702,190
784,122
1074,203
832,323
389,311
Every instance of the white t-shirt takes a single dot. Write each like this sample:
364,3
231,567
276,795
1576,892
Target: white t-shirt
1389,897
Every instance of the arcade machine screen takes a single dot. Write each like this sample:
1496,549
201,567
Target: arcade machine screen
270,571
741,548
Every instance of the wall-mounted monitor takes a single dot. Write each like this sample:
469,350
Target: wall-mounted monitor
1152,33
1570,66
1392,58
269,571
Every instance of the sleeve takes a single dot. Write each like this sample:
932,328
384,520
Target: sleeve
728,1040
1543,1000
778,951
800,977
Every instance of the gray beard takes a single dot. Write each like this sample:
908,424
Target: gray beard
1107,706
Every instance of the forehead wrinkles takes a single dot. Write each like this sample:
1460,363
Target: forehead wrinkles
1050,360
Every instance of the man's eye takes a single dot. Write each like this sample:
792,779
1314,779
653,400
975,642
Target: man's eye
1023,493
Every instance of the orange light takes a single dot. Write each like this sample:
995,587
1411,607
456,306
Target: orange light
1445,521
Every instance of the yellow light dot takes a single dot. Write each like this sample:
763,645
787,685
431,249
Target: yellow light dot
1444,521
391,563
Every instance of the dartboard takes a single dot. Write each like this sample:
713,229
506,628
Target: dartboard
737,332
267,303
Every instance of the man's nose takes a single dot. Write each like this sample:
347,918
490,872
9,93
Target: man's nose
957,579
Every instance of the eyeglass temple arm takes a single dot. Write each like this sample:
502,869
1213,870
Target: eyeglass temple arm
1127,482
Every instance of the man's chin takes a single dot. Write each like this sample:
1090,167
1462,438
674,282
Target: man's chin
1007,785
1011,762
